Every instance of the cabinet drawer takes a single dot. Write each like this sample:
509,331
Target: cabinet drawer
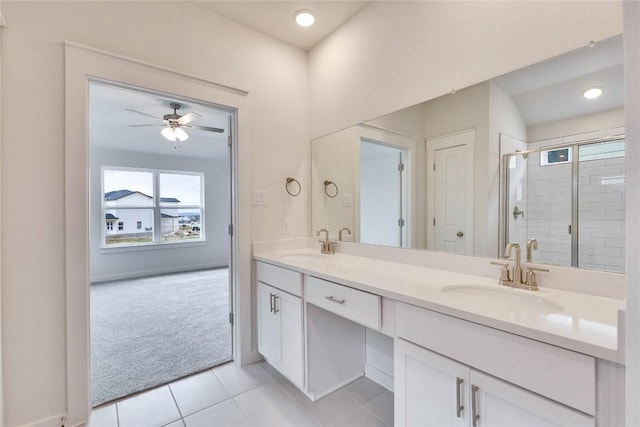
359,306
281,278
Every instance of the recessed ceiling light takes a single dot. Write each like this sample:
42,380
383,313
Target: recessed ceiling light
592,93
304,18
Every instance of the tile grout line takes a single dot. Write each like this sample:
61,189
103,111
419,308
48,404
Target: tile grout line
289,397
177,407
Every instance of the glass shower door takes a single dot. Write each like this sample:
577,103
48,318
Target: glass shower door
601,206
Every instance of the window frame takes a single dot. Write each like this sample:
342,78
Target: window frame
156,207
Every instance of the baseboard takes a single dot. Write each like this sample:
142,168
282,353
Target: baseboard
378,376
155,272
56,420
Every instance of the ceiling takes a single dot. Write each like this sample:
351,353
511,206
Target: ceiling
109,123
552,90
275,18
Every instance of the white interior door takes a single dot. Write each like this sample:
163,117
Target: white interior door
450,200
450,193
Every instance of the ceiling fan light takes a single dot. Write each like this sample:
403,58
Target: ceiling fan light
181,135
169,134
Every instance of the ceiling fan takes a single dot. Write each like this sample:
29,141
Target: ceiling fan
174,123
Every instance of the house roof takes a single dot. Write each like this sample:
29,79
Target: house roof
119,194
164,215
111,216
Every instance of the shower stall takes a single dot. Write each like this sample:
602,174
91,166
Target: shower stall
569,197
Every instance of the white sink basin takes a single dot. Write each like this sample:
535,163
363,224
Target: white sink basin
305,257
504,299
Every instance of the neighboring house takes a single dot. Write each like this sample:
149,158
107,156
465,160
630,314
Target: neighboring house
136,213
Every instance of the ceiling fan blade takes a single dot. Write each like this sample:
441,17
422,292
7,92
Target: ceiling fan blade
207,128
144,114
188,118
137,126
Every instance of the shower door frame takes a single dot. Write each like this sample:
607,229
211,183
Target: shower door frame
503,239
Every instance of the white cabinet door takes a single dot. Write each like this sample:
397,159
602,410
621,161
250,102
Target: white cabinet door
499,403
289,308
280,331
433,390
430,390
269,330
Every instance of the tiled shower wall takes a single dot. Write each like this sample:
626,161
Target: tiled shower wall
601,212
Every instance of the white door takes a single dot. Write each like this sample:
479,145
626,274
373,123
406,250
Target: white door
500,404
269,332
450,211
450,193
430,390
383,194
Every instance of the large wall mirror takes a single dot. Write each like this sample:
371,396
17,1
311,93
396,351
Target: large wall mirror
523,156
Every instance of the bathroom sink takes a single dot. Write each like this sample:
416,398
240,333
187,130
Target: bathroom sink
305,257
504,299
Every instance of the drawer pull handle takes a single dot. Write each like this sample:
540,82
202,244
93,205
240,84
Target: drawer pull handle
332,298
459,407
271,302
474,405
275,304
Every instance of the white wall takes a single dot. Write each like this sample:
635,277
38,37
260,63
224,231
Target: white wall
175,35
111,264
592,122
505,119
391,57
467,109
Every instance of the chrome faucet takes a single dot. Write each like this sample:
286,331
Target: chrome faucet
327,245
340,233
516,277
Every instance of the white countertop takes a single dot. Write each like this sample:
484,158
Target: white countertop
579,322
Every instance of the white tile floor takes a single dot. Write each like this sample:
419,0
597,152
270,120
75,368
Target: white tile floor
256,395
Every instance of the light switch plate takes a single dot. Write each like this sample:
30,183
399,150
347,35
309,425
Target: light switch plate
259,197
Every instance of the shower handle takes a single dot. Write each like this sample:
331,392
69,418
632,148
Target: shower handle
517,212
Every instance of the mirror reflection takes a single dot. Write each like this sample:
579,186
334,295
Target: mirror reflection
523,156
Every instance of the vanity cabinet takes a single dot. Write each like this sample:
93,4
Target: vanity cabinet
280,320
433,390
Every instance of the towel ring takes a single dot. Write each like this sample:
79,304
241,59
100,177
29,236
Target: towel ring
289,181
328,192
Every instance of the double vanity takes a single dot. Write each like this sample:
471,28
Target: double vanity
456,348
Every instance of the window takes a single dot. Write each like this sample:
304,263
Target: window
164,206
595,151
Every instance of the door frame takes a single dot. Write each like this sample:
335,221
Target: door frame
466,138
83,63
400,141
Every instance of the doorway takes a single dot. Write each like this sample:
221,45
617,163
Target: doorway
160,248
383,194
